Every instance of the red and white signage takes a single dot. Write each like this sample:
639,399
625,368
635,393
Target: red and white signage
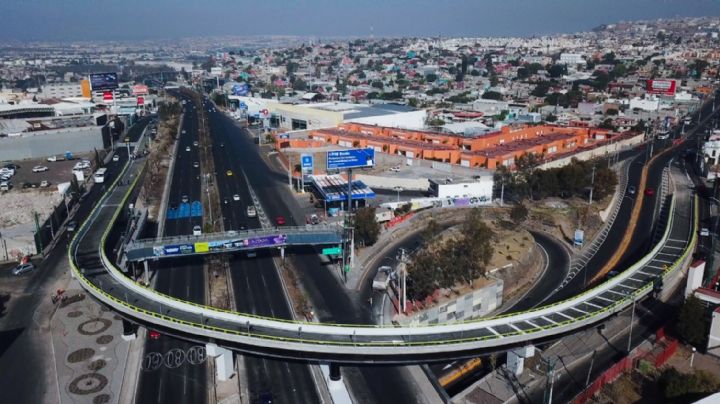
140,101
661,87
140,89
265,113
107,96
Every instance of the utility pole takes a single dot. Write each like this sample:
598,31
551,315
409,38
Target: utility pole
289,172
502,190
403,280
592,185
549,380
632,320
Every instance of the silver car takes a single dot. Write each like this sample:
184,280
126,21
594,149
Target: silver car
22,268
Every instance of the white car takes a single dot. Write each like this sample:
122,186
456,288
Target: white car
251,212
236,197
44,184
116,158
187,148
7,171
704,232
52,158
197,231
39,169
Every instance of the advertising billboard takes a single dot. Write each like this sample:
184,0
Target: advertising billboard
353,158
240,89
103,81
265,241
140,89
661,87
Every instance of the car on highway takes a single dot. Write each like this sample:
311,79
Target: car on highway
196,164
187,148
71,226
39,169
251,211
222,145
154,335
196,144
185,199
116,157
649,192
197,231
23,268
280,220
229,173
236,197
631,190
704,232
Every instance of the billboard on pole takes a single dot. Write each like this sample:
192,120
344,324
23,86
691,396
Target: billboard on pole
661,87
104,81
353,158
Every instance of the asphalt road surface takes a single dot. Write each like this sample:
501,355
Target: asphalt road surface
183,278
255,281
380,384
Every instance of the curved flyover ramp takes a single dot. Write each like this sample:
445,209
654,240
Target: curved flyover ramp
366,343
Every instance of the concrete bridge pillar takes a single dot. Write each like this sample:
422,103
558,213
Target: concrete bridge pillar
129,330
147,274
516,358
224,367
335,372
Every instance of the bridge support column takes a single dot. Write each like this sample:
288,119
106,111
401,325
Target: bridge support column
282,252
147,274
335,372
129,330
224,367
516,358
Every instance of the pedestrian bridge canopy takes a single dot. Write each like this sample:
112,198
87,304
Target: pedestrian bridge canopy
232,241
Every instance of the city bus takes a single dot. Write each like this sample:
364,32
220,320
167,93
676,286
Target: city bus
99,175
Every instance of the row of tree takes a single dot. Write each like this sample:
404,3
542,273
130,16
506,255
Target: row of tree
446,263
572,180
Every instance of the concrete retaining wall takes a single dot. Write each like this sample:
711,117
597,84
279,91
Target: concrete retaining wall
52,142
601,151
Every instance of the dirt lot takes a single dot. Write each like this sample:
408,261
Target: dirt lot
17,223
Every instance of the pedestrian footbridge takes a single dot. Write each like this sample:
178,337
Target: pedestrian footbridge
369,343
231,241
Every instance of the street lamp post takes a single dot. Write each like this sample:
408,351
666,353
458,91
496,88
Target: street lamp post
692,356
592,185
632,320
398,189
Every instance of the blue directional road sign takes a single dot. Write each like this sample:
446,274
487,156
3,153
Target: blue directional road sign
243,105
353,158
307,161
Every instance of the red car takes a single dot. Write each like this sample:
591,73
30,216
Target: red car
154,335
649,192
280,220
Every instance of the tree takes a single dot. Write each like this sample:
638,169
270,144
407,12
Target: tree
523,73
431,78
607,124
612,111
540,89
492,95
690,324
558,70
518,213
299,85
551,118
367,228
431,230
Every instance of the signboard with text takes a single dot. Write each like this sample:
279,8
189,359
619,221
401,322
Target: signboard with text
661,87
353,158
104,81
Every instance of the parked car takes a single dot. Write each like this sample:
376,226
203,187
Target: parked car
314,219
12,166
39,169
44,184
5,185
23,268
53,159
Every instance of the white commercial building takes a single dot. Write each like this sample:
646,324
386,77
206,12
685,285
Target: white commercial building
572,59
481,187
60,90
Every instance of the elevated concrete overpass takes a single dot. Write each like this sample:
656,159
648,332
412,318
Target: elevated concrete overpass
369,343
232,241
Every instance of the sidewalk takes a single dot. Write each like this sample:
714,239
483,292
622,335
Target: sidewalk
90,357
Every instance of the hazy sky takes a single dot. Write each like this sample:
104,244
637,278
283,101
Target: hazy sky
149,19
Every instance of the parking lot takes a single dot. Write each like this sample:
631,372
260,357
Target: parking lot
58,172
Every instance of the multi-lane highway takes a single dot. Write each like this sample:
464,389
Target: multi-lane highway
255,281
331,302
185,279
